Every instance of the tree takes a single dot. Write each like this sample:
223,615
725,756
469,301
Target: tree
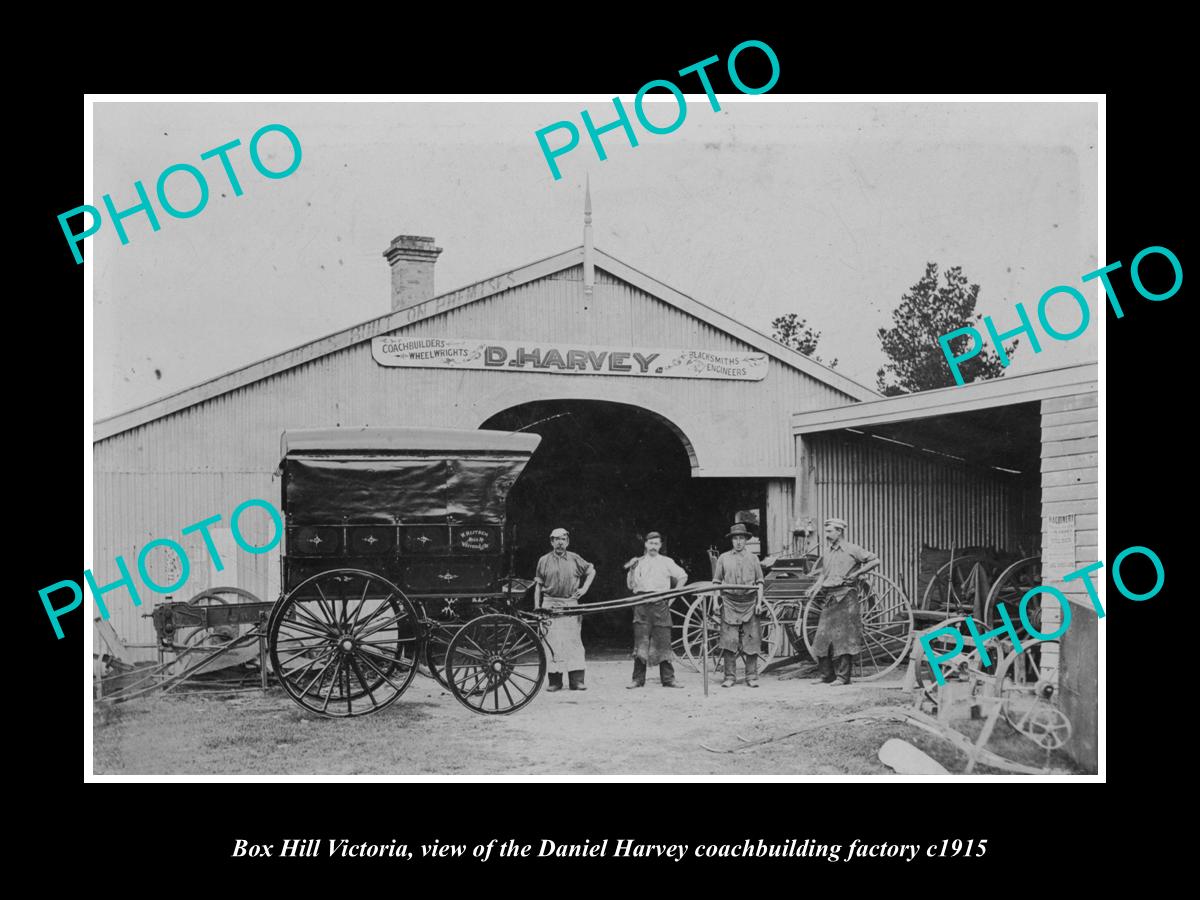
793,331
925,313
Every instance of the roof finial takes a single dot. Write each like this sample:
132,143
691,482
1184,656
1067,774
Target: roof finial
589,269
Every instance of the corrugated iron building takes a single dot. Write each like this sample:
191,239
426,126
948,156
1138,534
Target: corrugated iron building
801,440
1009,464
204,450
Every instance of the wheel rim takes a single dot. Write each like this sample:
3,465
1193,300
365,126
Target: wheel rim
694,647
949,589
1012,585
344,643
1028,685
437,642
495,664
887,626
692,633
681,631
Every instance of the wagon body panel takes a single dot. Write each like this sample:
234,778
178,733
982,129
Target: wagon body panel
423,507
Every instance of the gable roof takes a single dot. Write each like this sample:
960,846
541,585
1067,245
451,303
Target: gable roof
435,306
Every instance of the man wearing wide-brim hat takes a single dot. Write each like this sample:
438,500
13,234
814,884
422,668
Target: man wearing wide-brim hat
839,636
741,630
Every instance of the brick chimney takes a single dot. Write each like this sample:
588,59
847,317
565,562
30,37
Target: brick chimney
411,259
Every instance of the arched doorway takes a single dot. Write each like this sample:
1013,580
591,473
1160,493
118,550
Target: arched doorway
609,473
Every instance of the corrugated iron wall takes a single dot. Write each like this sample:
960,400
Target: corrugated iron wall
895,499
153,480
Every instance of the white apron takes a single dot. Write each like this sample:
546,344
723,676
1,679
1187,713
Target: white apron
564,647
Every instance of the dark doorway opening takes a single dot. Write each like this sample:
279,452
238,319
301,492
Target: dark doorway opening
609,473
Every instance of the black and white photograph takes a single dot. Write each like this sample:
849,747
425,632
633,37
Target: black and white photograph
530,437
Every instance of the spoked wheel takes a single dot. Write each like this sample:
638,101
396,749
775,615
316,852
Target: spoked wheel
773,633
1012,585
680,608
437,642
887,622
704,606
344,643
1028,686
495,664
950,591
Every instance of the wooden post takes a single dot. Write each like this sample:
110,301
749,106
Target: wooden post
704,646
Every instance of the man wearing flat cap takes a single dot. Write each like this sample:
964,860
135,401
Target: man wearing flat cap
740,627
839,636
557,585
649,574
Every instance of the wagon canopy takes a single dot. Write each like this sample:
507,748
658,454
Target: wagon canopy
400,475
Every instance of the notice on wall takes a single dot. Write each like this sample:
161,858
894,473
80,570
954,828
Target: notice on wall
1058,548
567,359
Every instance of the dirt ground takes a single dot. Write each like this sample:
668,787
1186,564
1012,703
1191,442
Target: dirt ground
606,730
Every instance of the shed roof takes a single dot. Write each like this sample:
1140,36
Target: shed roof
996,392
480,290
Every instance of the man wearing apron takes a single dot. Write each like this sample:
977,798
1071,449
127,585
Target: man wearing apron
741,630
839,634
650,574
557,586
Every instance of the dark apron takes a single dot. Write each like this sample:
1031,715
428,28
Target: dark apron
840,628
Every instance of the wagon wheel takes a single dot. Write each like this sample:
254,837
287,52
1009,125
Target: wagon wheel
680,608
437,641
887,626
344,643
1028,686
704,605
1013,583
789,617
495,664
949,590
773,633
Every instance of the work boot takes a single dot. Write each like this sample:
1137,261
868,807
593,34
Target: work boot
728,682
666,674
635,684
825,670
555,682
575,679
843,667
751,671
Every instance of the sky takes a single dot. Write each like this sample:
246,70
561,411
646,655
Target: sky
770,206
